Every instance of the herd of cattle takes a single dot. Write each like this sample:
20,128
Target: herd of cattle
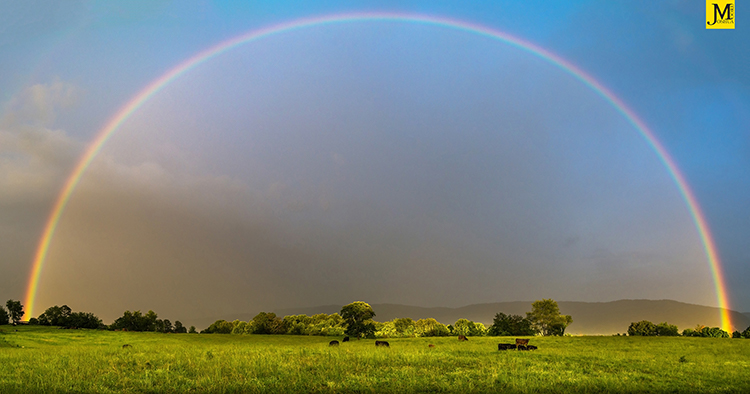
521,344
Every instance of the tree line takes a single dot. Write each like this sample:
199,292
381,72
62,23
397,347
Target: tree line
356,319
648,329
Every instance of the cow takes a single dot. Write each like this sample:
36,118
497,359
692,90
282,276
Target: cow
333,343
522,347
532,347
127,345
430,345
382,343
521,342
505,346
346,339
462,338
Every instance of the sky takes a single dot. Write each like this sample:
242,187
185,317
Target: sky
379,160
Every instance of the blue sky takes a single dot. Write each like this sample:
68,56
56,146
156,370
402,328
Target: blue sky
390,162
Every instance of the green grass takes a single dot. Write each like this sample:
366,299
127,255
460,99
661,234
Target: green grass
48,360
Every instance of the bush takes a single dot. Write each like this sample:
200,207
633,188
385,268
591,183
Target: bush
746,333
510,325
666,330
430,328
642,328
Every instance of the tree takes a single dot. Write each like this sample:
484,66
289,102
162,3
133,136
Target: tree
135,321
179,328
430,328
15,309
267,323
192,330
510,325
4,316
55,316
546,319
666,330
643,328
358,318
745,334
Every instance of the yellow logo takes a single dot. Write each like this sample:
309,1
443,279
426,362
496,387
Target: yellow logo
719,14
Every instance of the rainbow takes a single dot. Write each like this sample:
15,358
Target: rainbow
144,95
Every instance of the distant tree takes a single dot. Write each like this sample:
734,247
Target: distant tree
267,323
163,326
430,328
179,328
15,309
706,332
546,319
745,334
736,334
666,330
643,328
358,318
192,330
510,325
135,321
468,328
33,321
219,327
55,316
4,316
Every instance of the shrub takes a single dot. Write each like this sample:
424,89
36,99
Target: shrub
642,328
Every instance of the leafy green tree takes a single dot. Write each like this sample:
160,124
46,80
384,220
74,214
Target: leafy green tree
430,328
135,321
219,327
736,334
666,330
4,316
643,328
267,323
179,328
55,316
510,325
358,318
745,334
15,309
546,319
192,330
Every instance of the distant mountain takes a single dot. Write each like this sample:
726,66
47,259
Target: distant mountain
589,318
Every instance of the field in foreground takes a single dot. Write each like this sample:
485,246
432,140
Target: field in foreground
39,359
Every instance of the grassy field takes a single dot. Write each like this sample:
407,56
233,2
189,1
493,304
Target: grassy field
48,360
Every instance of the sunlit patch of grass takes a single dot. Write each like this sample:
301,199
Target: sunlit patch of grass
54,360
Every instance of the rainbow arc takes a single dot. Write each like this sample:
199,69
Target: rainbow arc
155,86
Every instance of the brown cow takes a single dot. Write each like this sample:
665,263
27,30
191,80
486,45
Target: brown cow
522,342
430,345
462,338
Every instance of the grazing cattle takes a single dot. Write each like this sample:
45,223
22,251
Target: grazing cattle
532,347
462,338
333,343
430,345
505,346
127,345
382,343
346,339
522,347
522,342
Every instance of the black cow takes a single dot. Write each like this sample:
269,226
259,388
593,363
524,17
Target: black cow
382,343
522,347
505,346
462,338
346,339
333,343
532,347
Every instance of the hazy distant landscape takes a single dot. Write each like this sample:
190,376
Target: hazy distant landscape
589,318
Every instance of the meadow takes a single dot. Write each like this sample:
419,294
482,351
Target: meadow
49,360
